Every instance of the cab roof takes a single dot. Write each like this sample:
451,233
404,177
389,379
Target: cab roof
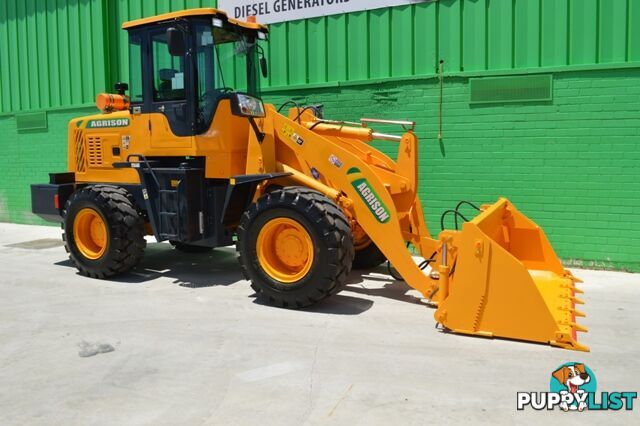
194,12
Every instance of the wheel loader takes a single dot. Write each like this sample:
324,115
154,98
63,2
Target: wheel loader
305,199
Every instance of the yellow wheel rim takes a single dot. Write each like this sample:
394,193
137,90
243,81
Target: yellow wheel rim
285,250
90,233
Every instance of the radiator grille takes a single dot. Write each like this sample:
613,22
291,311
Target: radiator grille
94,146
81,162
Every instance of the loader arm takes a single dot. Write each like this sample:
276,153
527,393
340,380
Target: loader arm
496,277
379,207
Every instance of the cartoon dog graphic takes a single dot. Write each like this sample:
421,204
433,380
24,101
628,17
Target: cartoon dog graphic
572,376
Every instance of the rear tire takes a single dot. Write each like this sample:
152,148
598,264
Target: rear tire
103,231
324,261
368,257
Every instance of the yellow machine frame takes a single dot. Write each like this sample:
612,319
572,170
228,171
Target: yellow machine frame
498,276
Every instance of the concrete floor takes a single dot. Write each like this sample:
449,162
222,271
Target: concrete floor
191,346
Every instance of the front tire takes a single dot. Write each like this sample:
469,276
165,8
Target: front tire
296,247
103,232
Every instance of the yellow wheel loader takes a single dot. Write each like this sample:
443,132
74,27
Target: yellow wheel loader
189,160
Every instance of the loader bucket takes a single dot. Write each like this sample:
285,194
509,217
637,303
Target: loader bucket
507,282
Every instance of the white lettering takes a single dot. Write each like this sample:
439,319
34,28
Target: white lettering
271,11
370,198
552,400
375,205
540,402
580,397
524,398
567,397
120,122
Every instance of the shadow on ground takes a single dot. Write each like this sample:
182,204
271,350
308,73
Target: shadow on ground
219,267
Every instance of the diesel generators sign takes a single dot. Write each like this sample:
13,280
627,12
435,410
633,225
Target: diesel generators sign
271,11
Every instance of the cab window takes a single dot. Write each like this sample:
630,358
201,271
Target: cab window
135,68
168,71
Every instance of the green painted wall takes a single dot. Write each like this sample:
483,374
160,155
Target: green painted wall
570,164
29,157
61,52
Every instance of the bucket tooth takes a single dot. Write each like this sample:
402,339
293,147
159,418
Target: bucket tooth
578,327
576,300
574,312
572,287
573,278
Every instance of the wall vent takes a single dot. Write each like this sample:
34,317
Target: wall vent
31,121
526,88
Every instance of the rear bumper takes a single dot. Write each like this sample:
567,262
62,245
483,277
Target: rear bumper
48,199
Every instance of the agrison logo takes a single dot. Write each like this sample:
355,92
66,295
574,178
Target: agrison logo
573,388
370,198
114,122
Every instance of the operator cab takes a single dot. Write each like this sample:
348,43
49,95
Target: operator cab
182,64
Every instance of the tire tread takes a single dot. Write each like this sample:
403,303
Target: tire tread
126,244
335,230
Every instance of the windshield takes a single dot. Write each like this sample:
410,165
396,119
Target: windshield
225,61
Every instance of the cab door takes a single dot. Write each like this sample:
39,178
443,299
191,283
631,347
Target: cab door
134,138
171,105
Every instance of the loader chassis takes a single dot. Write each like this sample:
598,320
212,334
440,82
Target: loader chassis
189,160
152,150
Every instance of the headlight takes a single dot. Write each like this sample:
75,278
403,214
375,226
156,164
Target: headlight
247,106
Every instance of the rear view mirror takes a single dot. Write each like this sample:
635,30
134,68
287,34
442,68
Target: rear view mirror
263,67
175,42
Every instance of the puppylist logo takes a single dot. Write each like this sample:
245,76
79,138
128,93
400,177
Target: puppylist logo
573,388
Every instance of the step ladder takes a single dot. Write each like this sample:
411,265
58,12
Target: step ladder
169,214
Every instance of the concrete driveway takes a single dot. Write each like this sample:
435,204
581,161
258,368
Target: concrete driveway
182,341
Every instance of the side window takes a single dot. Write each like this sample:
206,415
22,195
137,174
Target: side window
168,71
135,69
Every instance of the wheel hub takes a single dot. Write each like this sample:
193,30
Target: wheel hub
90,233
285,250
291,248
